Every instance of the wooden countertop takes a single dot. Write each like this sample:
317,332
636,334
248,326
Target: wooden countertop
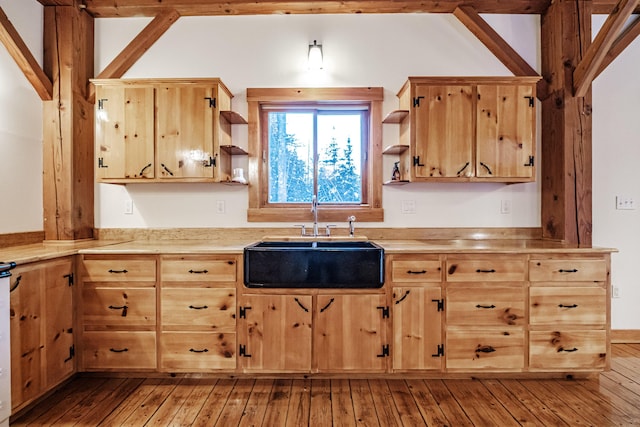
49,250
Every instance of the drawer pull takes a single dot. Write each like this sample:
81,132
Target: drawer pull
198,307
198,351
122,350
571,350
568,306
198,271
118,271
485,306
121,307
575,270
485,271
485,349
417,272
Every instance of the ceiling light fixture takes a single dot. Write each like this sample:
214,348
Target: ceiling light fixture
315,56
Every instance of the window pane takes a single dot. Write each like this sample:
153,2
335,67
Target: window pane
290,157
339,158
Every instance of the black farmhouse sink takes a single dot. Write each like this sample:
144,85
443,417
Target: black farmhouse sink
314,264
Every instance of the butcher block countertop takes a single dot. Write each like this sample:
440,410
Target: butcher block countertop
49,250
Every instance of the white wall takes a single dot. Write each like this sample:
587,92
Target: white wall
20,127
359,50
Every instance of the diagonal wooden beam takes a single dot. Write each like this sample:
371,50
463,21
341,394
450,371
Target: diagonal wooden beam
138,46
470,18
20,53
586,70
620,44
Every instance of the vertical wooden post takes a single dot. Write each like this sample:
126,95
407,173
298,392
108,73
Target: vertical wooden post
68,185
566,125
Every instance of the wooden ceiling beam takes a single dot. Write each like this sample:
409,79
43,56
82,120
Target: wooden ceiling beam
586,70
620,44
20,53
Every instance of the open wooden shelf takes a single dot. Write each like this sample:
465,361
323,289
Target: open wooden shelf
234,150
233,117
397,182
395,149
396,116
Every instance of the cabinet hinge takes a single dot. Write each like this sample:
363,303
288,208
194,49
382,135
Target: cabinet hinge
440,303
530,161
212,102
72,353
385,351
69,277
101,103
243,312
530,98
101,163
416,161
416,101
385,311
440,352
212,162
242,351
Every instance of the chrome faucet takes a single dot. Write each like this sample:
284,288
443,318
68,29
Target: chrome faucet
314,210
352,227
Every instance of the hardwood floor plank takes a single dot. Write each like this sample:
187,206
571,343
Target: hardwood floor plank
621,400
253,414
81,410
298,412
542,412
479,404
145,410
200,390
236,403
108,401
547,393
172,404
132,402
363,406
278,405
448,403
405,403
320,409
622,384
426,403
214,403
385,407
510,401
341,404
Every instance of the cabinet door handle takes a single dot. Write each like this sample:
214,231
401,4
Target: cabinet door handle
406,294
121,307
417,272
144,169
487,168
463,168
15,285
568,306
198,307
116,350
166,169
485,306
300,304
485,271
326,306
573,270
198,351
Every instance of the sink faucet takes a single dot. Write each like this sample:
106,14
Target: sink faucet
352,227
314,210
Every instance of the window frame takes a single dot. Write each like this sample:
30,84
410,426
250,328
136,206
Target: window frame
259,208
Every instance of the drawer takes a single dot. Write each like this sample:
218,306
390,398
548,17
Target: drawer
119,307
197,351
488,350
468,306
199,269
549,350
567,306
212,309
118,270
487,269
568,270
416,270
119,350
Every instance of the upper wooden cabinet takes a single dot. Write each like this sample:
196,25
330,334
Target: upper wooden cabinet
467,129
163,130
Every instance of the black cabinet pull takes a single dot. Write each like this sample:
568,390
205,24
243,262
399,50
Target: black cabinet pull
406,294
487,168
574,270
198,351
463,168
485,271
198,307
300,304
567,306
120,307
115,350
118,271
166,169
571,350
198,271
326,306
485,349
417,272
485,306
15,285
144,169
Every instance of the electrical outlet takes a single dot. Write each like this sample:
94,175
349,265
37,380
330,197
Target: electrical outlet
128,207
615,292
408,207
505,207
625,203
220,206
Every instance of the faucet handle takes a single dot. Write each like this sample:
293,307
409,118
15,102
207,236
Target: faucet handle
303,230
352,228
328,232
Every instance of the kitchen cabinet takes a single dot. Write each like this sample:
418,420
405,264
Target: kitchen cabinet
117,315
41,324
198,313
462,129
176,130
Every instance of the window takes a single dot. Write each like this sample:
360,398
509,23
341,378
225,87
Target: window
315,142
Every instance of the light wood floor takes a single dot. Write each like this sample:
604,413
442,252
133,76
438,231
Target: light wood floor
612,399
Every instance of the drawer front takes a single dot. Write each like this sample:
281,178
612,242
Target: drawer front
416,271
119,306
549,350
490,269
197,351
119,350
568,270
495,350
467,306
585,306
199,269
118,270
212,309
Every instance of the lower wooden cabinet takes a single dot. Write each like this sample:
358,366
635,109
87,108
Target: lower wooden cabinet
488,350
119,350
567,350
197,351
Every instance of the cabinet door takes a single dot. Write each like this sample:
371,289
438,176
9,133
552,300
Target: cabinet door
276,330
417,328
505,131
351,333
444,131
124,132
185,131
